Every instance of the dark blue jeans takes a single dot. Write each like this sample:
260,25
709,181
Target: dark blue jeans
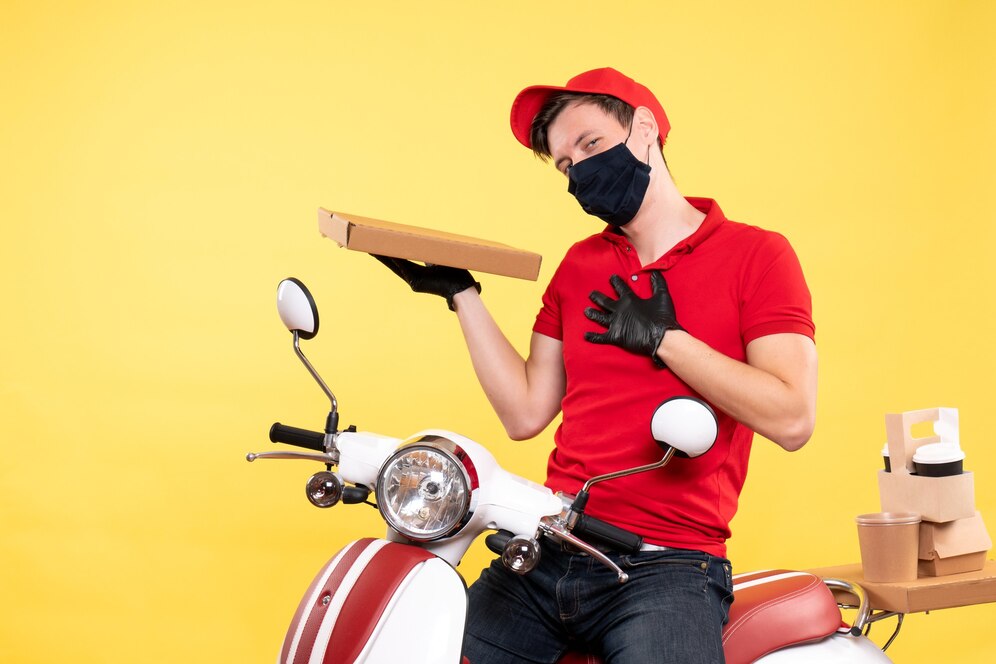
672,609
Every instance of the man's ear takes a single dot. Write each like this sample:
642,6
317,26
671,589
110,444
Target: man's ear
645,125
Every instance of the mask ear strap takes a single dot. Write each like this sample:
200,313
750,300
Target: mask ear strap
631,121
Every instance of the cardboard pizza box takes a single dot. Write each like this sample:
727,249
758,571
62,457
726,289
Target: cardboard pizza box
388,238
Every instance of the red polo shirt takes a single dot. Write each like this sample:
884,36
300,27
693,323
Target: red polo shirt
731,283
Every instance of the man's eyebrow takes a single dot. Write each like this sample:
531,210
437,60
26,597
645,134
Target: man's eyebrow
580,139
585,134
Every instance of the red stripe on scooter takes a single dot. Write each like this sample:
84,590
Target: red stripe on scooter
316,611
369,597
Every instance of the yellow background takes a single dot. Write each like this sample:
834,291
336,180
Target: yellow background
161,167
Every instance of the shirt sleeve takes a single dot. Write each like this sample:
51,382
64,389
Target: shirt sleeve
548,320
776,297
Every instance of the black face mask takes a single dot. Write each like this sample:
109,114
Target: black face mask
610,185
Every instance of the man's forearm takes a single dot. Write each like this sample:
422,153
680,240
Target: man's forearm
525,394
776,398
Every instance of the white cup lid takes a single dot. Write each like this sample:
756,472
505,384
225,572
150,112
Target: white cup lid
938,453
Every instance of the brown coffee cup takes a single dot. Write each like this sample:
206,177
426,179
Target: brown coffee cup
889,544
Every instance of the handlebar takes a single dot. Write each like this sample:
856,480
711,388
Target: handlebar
601,532
310,440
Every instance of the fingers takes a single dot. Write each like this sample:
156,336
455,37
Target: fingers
403,268
621,287
603,301
596,338
599,317
658,283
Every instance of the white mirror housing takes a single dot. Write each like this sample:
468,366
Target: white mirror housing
687,424
297,308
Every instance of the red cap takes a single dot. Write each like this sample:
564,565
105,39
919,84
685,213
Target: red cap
604,81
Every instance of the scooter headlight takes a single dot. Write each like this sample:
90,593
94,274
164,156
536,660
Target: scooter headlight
425,489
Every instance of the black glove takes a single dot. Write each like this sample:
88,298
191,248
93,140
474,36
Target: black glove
635,324
435,279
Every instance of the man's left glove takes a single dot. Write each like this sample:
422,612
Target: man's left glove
434,279
633,323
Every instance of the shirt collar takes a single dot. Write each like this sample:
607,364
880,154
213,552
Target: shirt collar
714,218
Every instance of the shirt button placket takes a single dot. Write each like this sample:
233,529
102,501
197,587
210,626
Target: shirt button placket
633,277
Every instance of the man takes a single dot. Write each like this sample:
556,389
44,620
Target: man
697,305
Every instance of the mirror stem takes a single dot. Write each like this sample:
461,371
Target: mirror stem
581,500
314,374
632,471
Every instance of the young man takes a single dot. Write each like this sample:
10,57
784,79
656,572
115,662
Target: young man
696,305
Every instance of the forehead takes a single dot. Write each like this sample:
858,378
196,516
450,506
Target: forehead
574,121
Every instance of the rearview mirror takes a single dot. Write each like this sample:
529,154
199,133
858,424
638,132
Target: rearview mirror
297,308
687,424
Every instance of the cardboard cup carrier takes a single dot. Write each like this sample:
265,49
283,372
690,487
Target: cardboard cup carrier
926,475
889,544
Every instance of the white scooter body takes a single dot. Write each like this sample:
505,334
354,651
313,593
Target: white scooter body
389,600
379,602
389,590
383,601
834,649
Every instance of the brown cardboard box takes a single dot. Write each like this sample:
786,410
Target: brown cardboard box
937,499
953,547
387,238
925,594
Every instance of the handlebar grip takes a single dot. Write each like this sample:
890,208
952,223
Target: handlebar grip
496,541
311,440
596,531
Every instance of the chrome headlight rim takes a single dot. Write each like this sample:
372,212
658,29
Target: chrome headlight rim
455,455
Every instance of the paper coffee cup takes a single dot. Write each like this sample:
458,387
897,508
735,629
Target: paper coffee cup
939,460
889,544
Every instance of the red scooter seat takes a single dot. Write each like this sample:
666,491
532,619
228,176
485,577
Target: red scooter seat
774,609
771,610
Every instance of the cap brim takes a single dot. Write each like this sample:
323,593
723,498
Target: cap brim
525,107
530,101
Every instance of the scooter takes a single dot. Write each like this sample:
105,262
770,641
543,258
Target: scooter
400,598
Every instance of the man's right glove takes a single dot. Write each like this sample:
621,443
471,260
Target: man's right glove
634,323
435,279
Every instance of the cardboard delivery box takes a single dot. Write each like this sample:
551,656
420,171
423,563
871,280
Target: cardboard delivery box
953,547
937,499
387,238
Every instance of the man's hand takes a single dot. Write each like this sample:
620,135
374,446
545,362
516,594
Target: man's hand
434,279
632,323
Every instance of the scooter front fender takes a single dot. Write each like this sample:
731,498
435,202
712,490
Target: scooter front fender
379,602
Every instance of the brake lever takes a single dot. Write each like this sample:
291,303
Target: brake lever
557,531
324,458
